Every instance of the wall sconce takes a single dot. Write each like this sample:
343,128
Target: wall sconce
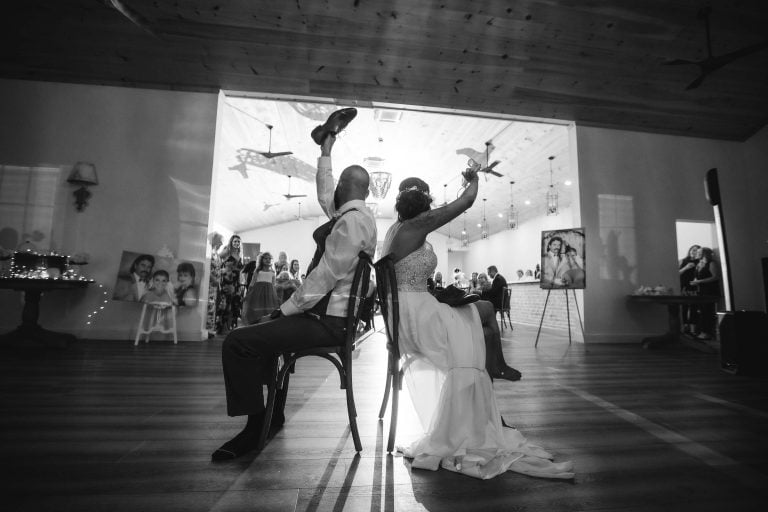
83,174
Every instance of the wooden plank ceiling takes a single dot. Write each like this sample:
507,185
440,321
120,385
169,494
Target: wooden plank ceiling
598,63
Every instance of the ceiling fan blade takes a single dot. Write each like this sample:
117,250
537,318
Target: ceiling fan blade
742,52
291,196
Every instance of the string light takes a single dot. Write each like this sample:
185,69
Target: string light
484,231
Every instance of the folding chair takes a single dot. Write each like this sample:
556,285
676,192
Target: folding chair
505,308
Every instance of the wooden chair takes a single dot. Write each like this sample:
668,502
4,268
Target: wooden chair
158,312
386,287
340,355
506,298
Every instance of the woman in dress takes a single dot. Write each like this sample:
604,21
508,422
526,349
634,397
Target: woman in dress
707,282
261,298
687,274
444,356
295,271
214,283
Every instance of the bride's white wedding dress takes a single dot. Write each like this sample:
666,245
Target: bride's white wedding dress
444,361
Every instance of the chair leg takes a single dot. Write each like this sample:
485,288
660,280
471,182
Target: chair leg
351,411
140,328
270,406
173,323
383,408
397,381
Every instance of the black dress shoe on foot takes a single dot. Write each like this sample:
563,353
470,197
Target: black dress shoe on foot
241,444
336,122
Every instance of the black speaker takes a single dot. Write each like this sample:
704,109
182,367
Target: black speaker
744,342
712,187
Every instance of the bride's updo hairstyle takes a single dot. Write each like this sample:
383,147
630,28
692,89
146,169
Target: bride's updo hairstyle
412,199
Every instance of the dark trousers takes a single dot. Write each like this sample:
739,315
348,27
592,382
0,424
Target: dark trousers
249,353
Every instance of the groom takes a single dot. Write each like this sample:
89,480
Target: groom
314,315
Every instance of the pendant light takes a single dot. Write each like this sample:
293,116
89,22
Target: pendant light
552,208
464,235
484,231
512,212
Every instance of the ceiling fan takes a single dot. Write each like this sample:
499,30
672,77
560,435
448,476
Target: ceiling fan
269,153
290,196
714,62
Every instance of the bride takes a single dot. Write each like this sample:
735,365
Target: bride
444,356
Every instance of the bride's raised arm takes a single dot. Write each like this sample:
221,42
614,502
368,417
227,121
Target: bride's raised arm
433,219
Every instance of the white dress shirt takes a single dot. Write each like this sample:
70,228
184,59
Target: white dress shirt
353,232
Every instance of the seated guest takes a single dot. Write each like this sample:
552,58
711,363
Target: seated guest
520,274
315,315
483,286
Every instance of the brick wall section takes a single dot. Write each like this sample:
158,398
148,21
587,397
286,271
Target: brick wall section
527,303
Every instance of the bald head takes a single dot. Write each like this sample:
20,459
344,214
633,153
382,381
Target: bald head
353,184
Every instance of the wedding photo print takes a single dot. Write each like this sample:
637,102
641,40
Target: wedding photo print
150,278
562,259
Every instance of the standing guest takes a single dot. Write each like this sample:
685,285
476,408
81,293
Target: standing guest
228,310
498,284
687,274
235,251
281,263
295,271
707,281
186,292
284,286
537,272
315,315
214,283
261,297
134,284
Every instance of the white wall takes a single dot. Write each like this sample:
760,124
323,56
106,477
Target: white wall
153,152
518,249
633,188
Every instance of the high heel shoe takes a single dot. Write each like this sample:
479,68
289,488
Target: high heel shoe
336,122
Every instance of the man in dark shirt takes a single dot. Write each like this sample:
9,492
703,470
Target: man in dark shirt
498,284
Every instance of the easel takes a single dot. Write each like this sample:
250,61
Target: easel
568,313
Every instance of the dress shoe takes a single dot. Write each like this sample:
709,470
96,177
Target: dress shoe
336,122
243,443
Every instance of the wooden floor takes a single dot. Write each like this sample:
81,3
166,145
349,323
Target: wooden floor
106,426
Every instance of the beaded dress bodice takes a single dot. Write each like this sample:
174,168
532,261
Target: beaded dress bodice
413,270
